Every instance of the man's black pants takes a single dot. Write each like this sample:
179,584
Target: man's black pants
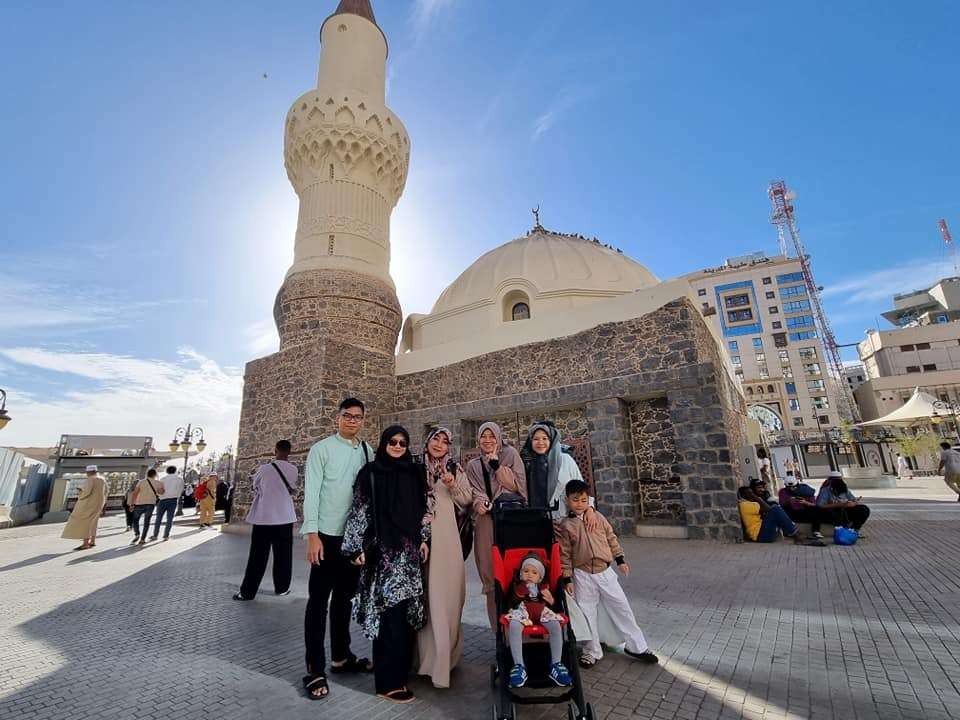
333,583
264,538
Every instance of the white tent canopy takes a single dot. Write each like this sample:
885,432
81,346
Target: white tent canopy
919,408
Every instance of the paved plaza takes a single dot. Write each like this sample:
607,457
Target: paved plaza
753,631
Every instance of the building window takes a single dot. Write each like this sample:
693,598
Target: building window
794,405
815,385
923,346
795,291
798,422
773,310
749,391
808,353
758,343
796,306
812,368
761,357
735,359
780,340
739,373
800,321
701,292
769,388
791,388
789,278
760,389
784,356
766,281
764,373
806,335
739,315
787,371
736,300
859,378
906,348
733,345
777,324
913,368
821,403
824,420
929,368
770,295
521,311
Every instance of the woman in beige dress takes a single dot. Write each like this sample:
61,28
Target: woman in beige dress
440,641
498,470
85,517
208,503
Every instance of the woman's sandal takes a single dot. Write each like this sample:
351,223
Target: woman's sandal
353,665
587,661
401,696
316,682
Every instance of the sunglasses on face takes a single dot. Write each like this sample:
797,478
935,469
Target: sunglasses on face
397,443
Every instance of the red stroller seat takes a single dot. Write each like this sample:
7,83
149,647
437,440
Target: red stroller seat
505,568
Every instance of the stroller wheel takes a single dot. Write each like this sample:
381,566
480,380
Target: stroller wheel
589,711
571,715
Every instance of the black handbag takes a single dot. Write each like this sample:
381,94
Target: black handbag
465,530
505,500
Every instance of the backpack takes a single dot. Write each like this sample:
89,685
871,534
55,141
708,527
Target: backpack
200,492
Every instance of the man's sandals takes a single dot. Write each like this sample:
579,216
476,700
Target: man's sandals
352,665
401,696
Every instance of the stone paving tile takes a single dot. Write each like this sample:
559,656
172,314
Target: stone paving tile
776,632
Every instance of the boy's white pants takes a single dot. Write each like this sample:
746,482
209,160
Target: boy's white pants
594,589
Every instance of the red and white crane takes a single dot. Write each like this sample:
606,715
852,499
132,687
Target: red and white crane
781,198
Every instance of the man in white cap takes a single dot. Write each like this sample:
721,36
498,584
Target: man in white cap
800,502
85,517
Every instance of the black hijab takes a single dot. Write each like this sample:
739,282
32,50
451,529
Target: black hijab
542,470
400,493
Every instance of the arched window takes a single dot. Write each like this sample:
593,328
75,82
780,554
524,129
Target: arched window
749,391
770,388
521,311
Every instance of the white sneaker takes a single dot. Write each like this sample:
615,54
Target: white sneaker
818,535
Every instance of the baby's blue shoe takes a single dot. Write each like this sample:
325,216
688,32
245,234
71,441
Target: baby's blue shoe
560,675
518,676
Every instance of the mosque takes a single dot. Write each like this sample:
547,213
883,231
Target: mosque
548,325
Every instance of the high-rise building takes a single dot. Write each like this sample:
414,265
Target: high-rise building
761,308
923,351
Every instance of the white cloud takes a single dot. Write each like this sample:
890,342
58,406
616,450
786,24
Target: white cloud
130,396
884,284
562,103
262,338
31,304
424,13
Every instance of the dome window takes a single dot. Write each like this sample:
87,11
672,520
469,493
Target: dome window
515,305
521,311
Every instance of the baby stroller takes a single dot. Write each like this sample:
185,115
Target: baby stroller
516,533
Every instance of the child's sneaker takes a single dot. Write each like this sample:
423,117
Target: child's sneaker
518,676
818,535
560,675
645,657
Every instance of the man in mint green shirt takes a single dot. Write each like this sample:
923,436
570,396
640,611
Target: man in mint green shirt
331,470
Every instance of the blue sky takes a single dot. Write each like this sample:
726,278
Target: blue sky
148,221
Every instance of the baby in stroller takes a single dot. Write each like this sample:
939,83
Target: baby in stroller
531,602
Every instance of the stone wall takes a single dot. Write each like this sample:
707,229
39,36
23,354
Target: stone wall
588,382
655,451
326,354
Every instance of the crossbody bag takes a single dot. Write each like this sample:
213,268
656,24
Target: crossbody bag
283,477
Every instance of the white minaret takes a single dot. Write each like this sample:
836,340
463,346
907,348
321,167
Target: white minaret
345,152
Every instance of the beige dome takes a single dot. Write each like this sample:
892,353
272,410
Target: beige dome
554,264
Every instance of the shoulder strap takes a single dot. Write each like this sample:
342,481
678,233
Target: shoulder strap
486,480
155,493
373,497
284,478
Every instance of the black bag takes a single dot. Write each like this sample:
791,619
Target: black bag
370,545
505,500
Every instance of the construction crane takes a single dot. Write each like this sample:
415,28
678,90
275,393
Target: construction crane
948,241
781,200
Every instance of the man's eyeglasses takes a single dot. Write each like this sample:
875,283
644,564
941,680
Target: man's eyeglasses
350,417
397,443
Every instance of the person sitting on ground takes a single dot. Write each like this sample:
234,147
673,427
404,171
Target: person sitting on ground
846,507
531,602
949,467
586,557
763,519
799,500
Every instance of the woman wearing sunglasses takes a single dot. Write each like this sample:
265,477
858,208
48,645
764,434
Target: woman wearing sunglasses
388,535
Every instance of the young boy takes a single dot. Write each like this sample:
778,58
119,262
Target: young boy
586,557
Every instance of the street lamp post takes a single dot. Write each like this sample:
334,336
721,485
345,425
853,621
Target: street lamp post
831,459
4,415
183,439
943,409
